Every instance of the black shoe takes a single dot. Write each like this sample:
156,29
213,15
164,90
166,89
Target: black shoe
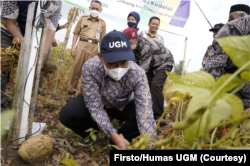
162,123
69,99
87,143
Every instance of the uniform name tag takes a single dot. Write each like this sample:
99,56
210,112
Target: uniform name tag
97,35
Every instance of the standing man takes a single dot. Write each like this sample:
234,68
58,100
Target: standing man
155,59
91,29
218,62
154,24
215,30
108,81
13,22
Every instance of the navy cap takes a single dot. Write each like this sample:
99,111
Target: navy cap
116,46
217,27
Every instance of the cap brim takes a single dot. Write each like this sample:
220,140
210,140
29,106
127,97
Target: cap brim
112,57
213,29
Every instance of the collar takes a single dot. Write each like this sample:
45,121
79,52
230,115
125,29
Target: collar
89,18
150,35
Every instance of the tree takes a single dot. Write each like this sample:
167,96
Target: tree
178,68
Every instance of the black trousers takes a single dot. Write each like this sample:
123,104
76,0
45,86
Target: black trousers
76,116
156,84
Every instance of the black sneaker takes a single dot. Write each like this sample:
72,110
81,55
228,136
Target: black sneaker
162,123
69,99
87,143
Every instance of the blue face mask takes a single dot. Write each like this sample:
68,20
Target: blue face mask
132,25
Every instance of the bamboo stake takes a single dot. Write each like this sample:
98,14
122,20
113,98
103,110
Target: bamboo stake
64,47
22,74
185,51
38,71
188,64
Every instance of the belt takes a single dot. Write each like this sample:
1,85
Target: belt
90,41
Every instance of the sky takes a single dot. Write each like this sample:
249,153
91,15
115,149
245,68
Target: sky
196,29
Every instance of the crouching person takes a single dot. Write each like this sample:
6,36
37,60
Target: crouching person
108,81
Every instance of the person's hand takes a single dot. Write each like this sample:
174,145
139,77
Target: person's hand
54,43
73,52
120,142
123,144
64,26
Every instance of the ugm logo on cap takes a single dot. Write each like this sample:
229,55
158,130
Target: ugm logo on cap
133,34
117,44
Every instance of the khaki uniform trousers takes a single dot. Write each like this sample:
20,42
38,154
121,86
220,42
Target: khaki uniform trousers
84,52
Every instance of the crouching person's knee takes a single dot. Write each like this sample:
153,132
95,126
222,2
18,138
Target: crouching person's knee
63,117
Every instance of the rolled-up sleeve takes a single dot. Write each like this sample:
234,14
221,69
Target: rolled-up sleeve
10,9
143,103
92,98
54,18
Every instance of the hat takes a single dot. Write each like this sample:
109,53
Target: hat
240,7
130,33
136,16
115,46
217,27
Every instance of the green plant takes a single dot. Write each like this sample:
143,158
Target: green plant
91,134
95,151
7,115
211,105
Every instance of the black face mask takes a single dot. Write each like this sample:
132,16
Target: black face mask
231,19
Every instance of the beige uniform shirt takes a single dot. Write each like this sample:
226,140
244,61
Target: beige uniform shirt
87,29
157,37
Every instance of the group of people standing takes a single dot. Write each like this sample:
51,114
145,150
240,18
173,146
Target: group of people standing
216,61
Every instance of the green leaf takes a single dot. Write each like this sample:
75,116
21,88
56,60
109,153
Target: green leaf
93,136
236,105
92,149
86,140
69,162
89,130
245,75
174,77
232,84
236,46
6,115
219,112
114,122
195,110
203,131
192,90
198,79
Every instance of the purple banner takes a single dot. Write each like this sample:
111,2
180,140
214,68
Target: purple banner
181,15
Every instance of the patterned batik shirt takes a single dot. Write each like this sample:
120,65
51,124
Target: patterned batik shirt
206,56
3,27
156,37
100,90
10,10
150,54
218,62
